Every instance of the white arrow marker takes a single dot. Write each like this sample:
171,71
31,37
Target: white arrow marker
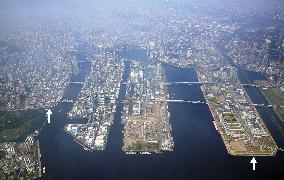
253,162
48,113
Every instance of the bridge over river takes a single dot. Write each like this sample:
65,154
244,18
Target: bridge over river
184,101
192,83
208,82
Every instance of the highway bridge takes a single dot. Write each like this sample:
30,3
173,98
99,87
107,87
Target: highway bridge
67,101
198,102
181,101
207,82
188,83
83,61
180,82
167,100
75,82
184,101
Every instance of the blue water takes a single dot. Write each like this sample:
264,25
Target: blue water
258,98
199,152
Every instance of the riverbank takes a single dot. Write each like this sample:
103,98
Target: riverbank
276,97
146,115
193,133
235,143
16,125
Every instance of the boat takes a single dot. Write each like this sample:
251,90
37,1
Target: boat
130,152
145,152
86,149
215,125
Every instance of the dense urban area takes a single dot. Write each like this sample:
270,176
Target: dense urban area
146,116
42,47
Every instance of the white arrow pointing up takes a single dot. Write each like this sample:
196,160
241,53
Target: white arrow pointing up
253,162
48,113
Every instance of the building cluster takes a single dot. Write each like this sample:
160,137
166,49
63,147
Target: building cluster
35,68
240,125
193,43
36,64
261,51
20,160
248,9
40,61
97,101
146,117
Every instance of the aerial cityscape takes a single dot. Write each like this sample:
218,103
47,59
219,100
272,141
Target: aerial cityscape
146,117
154,89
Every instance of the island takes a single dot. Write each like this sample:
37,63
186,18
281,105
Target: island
235,116
97,102
146,116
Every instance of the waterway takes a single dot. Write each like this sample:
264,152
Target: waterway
267,114
199,152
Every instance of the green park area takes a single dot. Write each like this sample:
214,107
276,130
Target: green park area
2,155
145,146
15,124
275,96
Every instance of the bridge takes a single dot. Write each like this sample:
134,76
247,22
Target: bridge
184,101
200,102
180,101
258,86
167,100
83,61
67,101
189,83
180,82
208,82
76,82
192,82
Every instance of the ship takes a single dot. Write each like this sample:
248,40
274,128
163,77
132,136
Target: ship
130,152
145,152
214,122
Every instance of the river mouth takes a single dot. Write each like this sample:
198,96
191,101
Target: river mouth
197,144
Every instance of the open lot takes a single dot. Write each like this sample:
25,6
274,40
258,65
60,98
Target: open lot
14,124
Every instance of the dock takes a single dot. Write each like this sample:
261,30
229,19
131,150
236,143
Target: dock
39,161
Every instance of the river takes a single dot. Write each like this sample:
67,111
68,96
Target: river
199,152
